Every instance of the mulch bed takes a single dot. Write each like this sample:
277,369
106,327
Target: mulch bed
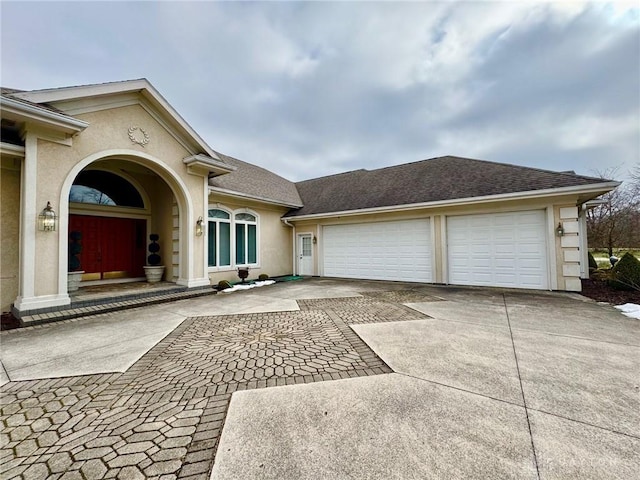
600,291
9,322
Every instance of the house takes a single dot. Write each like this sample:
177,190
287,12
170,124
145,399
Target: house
116,162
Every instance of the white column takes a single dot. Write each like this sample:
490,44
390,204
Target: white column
28,218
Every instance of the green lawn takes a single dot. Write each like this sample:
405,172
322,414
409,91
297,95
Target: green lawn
602,257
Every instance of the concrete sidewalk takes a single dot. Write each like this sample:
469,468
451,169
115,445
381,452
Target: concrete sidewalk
328,379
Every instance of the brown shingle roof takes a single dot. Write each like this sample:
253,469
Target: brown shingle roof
256,182
437,179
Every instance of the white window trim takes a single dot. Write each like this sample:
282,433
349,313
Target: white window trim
232,226
217,221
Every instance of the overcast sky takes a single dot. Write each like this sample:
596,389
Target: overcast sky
311,89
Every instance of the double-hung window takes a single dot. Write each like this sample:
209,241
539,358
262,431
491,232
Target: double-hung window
246,239
219,238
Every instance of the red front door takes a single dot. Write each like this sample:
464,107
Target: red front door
111,247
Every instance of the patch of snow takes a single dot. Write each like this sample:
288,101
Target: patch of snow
248,286
630,310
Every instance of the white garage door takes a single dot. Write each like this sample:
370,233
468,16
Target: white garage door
500,249
379,251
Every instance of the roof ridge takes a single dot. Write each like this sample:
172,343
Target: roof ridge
333,175
493,162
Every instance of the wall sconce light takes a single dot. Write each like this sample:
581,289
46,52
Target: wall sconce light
47,219
560,230
315,239
199,227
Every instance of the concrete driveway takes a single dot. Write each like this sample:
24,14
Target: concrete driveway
330,379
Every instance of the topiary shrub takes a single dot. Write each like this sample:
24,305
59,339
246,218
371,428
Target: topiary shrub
625,275
263,276
593,265
223,285
154,259
75,248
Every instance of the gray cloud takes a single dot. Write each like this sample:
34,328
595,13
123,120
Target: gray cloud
308,89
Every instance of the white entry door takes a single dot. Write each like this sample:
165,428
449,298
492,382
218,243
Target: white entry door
305,254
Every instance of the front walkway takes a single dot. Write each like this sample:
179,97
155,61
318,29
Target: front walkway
487,384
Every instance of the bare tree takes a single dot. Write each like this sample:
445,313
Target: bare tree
615,223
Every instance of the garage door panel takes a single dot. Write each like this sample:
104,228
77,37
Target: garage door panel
500,249
380,251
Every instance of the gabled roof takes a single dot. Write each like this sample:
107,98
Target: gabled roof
251,181
57,97
444,179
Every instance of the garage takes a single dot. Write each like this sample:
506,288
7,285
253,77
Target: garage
398,250
498,249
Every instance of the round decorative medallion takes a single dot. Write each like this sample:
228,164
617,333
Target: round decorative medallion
138,135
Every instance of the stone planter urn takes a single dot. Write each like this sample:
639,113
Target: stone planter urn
73,280
243,273
153,273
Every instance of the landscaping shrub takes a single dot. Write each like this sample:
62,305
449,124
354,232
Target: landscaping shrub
625,275
263,276
593,265
223,285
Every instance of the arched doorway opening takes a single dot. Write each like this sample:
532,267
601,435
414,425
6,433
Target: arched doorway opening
167,209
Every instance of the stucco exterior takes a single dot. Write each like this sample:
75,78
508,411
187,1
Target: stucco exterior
52,138
10,230
124,135
275,239
564,258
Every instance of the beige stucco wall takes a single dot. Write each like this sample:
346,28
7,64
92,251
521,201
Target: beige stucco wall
563,252
106,135
275,247
10,231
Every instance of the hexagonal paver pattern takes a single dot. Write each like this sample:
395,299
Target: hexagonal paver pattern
163,417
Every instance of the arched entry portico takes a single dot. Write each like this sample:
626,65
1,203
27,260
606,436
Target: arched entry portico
167,206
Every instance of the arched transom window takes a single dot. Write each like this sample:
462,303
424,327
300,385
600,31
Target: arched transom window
104,188
233,238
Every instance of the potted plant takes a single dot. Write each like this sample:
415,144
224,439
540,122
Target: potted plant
154,270
74,271
243,273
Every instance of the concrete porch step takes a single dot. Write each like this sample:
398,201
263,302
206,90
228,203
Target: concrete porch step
117,302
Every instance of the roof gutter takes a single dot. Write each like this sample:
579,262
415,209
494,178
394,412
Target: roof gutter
598,188
24,112
233,193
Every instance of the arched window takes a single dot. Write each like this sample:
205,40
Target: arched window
219,238
104,188
232,239
246,239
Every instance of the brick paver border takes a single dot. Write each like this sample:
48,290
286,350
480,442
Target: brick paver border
163,417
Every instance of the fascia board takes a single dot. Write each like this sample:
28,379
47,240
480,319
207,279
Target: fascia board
53,95
11,149
271,201
596,188
206,165
29,113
